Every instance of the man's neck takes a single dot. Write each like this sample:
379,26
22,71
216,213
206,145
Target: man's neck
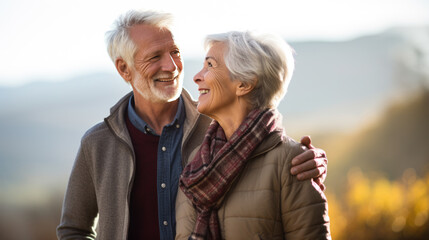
156,115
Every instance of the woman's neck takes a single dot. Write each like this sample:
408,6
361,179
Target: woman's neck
231,118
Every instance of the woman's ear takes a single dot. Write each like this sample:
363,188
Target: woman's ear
243,89
123,69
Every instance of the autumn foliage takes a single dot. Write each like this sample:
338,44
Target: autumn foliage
372,207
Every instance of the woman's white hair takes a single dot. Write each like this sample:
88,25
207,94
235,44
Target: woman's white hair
119,43
264,61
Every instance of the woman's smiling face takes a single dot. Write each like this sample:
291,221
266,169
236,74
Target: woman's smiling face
217,89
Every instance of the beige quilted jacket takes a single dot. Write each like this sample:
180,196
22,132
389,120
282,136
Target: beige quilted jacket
267,202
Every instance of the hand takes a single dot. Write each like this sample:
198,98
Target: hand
312,163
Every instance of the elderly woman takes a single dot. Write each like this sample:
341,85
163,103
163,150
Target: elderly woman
238,185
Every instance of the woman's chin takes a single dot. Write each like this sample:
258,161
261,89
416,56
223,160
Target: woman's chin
203,109
200,108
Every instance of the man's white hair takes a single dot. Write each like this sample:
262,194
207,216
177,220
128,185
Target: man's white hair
119,43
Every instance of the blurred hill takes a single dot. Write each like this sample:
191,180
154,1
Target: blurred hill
395,142
41,125
338,87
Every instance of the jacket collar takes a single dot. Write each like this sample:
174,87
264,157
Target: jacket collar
270,142
192,114
116,119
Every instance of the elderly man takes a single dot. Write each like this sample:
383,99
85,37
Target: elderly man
124,181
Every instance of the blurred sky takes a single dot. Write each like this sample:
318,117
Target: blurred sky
57,39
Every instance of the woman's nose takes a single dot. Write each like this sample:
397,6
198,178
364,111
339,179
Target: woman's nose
198,77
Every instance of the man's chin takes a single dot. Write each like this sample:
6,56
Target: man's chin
166,98
175,97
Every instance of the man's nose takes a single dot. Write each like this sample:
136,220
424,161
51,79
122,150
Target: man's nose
168,64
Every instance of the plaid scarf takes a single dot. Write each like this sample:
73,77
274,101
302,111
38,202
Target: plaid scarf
217,165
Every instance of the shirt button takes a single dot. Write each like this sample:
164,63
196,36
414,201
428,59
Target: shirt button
165,223
163,185
164,149
177,126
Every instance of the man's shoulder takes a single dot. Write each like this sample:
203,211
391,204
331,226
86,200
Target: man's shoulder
96,132
102,130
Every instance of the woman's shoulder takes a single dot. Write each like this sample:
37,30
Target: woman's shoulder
288,147
279,149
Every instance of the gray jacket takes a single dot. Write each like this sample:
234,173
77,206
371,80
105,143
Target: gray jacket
100,183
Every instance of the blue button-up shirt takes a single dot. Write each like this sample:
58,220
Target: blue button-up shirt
169,165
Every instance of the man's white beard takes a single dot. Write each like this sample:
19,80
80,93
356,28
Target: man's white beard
148,90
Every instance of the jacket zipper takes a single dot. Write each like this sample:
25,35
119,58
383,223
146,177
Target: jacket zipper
130,184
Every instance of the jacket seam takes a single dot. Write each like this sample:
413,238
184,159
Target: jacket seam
88,168
309,226
258,190
309,205
255,218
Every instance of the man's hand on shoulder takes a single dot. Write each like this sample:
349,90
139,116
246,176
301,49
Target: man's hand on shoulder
313,163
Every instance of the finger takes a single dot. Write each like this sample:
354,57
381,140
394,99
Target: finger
318,152
308,155
313,173
321,185
322,177
308,165
306,141
325,172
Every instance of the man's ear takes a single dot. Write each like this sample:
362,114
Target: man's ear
123,69
243,89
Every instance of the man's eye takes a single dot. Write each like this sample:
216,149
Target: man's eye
154,57
209,64
177,53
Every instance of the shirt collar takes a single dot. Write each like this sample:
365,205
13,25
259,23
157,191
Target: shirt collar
141,125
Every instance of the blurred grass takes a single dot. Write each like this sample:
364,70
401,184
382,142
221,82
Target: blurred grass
31,221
